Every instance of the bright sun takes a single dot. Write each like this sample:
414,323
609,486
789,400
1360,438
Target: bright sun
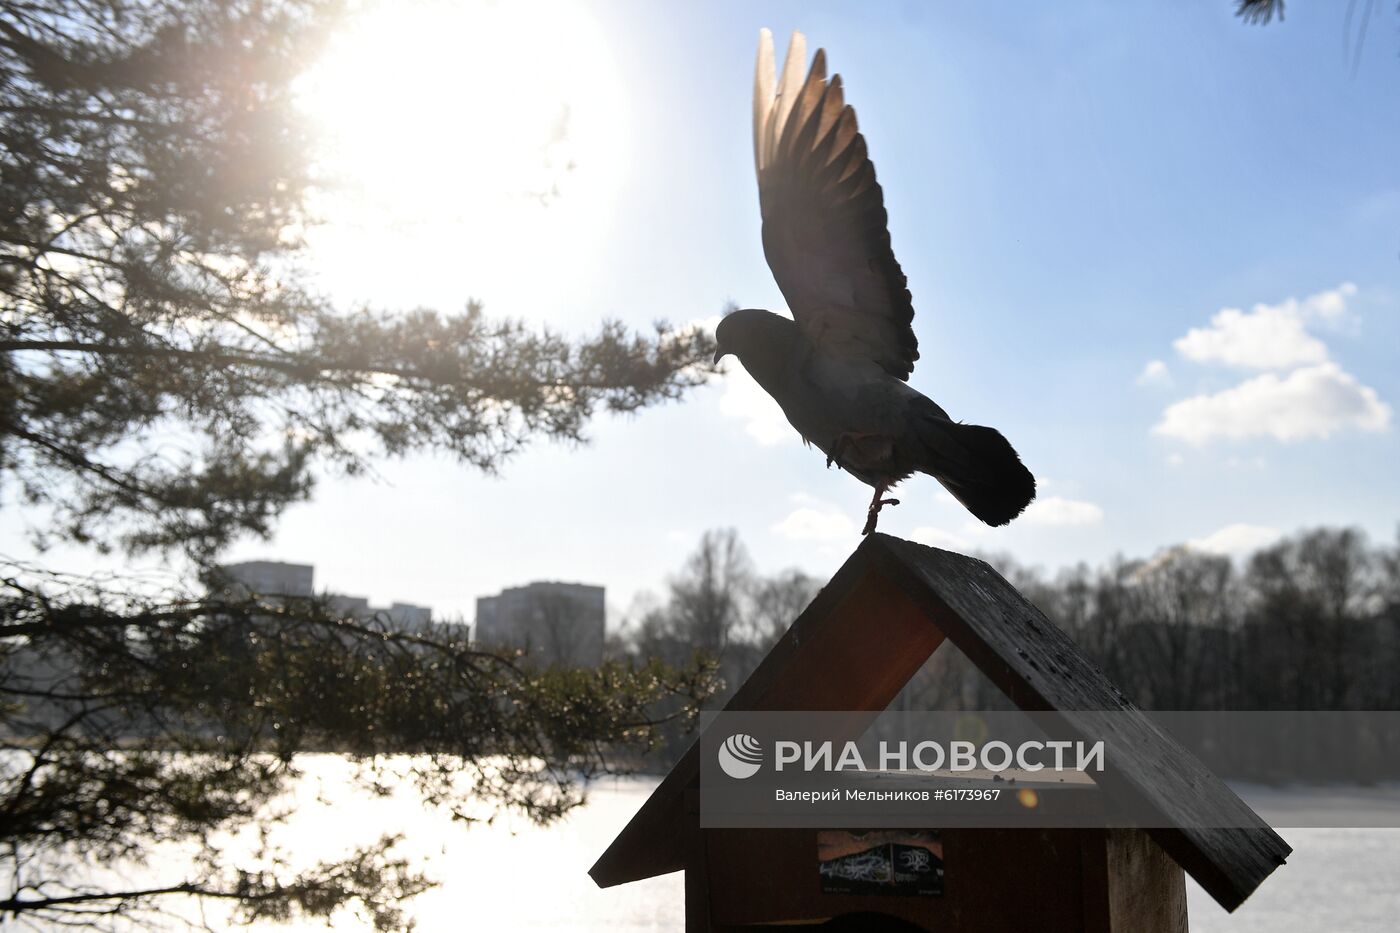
473,141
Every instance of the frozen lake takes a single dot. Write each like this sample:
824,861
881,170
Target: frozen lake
511,875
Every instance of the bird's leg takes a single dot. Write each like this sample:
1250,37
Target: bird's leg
838,447
877,503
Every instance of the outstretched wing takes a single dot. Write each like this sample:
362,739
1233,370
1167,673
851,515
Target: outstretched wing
824,217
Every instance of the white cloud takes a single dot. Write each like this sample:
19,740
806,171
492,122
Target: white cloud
1312,397
1155,373
1329,305
1314,401
1057,510
1237,539
1175,460
937,537
814,520
1268,336
745,399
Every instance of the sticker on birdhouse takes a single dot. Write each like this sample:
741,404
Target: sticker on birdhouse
881,861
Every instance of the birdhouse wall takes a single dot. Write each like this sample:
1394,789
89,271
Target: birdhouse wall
1098,881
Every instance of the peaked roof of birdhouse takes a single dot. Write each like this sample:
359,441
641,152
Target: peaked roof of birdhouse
875,624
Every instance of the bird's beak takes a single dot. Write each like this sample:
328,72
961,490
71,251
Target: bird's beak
720,353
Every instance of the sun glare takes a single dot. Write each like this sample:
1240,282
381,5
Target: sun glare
474,143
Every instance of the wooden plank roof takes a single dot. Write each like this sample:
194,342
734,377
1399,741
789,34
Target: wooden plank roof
876,622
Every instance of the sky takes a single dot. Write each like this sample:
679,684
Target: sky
1158,248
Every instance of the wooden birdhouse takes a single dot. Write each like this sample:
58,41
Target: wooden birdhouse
889,607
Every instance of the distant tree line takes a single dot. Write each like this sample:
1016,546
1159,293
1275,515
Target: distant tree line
1311,622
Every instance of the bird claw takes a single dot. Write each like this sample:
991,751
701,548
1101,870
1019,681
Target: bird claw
872,517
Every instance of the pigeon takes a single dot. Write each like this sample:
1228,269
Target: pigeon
839,367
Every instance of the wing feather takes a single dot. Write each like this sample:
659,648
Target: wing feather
764,85
788,86
814,159
808,99
824,223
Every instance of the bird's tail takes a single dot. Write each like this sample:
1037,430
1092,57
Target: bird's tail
979,467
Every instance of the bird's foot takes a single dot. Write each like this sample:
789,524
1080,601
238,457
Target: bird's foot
872,517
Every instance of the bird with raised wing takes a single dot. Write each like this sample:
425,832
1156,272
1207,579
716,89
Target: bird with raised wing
839,367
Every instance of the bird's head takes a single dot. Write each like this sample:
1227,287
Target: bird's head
761,340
